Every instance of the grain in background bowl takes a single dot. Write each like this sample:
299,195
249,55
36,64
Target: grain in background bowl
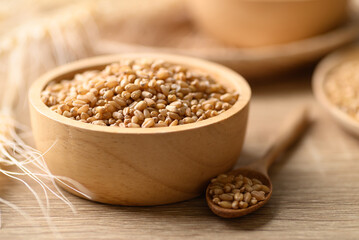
320,76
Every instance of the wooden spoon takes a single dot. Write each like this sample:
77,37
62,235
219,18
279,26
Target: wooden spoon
289,132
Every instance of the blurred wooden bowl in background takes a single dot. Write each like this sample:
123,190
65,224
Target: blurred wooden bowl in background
253,23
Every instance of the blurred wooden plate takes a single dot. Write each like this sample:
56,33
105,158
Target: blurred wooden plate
150,33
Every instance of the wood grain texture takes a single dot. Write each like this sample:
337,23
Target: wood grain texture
314,189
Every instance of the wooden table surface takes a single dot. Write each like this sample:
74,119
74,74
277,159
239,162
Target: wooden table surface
315,189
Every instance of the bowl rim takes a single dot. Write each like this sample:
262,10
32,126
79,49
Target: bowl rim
227,75
320,74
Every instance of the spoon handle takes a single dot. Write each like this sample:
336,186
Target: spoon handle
291,129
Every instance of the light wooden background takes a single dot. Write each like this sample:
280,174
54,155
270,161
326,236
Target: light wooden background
316,189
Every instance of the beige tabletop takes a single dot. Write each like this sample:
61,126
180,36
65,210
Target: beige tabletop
315,189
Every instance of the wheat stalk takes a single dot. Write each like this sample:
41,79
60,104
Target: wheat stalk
26,53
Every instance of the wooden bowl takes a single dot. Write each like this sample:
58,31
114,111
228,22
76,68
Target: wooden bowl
319,77
267,22
140,166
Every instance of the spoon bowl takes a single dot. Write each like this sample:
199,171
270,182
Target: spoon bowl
232,213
